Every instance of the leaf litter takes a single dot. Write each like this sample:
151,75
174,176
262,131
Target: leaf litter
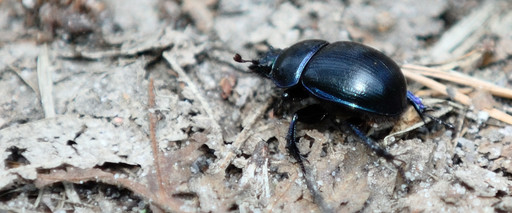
147,104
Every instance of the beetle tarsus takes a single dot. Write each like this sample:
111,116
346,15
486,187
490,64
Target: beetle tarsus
291,143
439,121
372,144
420,109
380,151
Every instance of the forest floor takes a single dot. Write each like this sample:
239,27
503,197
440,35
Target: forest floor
137,106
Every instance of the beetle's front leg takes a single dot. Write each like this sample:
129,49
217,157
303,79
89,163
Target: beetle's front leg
310,114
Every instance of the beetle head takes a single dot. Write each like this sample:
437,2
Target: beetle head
262,66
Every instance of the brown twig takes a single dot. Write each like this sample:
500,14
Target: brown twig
77,175
154,143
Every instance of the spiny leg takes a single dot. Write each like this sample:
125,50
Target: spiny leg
379,150
291,143
371,144
420,109
310,114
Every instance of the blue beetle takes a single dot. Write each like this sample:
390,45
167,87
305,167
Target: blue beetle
346,78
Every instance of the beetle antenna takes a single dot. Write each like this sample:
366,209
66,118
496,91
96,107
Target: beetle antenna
238,58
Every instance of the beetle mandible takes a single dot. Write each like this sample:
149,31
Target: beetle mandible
345,77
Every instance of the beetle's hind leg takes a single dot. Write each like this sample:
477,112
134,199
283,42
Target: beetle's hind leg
371,143
378,150
310,114
420,109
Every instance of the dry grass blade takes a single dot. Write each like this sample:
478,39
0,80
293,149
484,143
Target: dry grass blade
434,85
71,193
457,96
44,79
460,78
216,130
27,81
242,136
459,38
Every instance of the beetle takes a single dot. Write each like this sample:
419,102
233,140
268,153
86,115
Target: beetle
345,77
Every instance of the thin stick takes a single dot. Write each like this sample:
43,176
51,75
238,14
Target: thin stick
216,130
44,79
28,82
458,96
152,137
460,78
434,85
243,136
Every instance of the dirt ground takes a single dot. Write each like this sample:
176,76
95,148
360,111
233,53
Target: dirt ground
138,106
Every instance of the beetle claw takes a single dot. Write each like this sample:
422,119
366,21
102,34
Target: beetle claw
439,121
420,109
303,158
